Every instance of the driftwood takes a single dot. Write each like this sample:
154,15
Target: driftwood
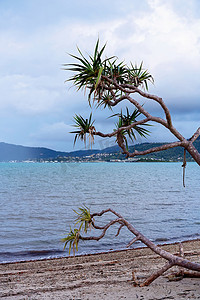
172,260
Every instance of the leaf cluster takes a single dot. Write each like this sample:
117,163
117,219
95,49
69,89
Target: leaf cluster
139,77
84,219
73,239
84,126
87,71
98,74
128,119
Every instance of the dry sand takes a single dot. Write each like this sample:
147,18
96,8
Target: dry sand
99,276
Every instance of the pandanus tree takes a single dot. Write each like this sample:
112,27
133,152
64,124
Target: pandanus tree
108,83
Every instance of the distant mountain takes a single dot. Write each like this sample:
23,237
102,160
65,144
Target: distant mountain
10,152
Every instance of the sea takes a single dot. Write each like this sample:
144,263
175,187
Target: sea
38,200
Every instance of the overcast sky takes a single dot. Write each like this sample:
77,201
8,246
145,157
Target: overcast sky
37,106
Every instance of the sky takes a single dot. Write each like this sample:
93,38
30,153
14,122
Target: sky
36,36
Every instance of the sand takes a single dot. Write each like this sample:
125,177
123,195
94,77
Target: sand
99,276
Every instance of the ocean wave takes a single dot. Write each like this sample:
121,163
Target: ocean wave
6,257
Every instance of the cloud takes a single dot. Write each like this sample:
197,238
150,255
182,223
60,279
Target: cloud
56,131
165,35
52,135
28,95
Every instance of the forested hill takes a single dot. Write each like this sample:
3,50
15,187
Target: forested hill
10,152
170,154
174,154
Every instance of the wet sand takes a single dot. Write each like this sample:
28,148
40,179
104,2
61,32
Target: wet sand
98,276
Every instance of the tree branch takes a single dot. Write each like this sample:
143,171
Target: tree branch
158,273
133,241
133,89
105,228
156,149
168,256
171,258
136,103
155,98
195,136
144,121
119,229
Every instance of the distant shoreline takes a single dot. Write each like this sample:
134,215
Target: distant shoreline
98,161
11,152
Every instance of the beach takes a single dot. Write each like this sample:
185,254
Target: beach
99,276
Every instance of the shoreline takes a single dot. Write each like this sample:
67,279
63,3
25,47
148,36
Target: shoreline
87,254
105,275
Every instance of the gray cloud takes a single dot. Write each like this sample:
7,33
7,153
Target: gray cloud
37,107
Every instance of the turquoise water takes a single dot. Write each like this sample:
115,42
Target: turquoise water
37,202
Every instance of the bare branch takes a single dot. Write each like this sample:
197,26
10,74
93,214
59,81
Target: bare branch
97,227
155,98
133,241
117,100
136,103
134,279
195,136
155,275
119,86
146,113
119,229
105,228
157,149
133,89
190,274
161,102
144,121
105,211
